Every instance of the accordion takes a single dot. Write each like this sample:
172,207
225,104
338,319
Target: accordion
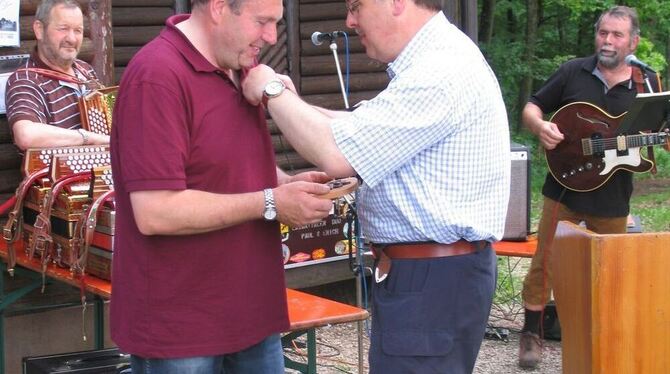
65,191
96,110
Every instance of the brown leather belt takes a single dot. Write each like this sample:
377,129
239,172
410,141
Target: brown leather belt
385,253
431,250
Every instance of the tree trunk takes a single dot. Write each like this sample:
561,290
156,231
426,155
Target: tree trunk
486,21
532,11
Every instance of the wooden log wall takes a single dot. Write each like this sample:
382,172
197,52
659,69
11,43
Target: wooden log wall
135,23
117,29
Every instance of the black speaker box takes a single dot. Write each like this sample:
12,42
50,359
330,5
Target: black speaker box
105,361
517,223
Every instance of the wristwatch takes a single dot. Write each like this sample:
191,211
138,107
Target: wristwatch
272,89
270,212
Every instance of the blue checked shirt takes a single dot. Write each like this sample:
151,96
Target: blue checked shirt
433,147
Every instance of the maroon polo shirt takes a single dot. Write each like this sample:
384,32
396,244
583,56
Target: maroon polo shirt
180,123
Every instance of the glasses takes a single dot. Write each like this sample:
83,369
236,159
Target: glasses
353,5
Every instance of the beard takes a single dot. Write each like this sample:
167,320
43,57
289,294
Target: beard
60,57
609,61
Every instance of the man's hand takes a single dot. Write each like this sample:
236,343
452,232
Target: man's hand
549,135
287,82
255,81
310,176
298,203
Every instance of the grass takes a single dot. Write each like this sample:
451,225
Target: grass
654,210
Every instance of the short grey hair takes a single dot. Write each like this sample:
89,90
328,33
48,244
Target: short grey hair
234,5
44,9
621,12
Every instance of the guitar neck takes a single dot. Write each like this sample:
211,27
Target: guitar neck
623,142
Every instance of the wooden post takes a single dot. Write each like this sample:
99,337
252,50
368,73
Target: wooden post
293,42
100,21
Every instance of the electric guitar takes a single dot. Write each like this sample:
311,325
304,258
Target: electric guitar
592,151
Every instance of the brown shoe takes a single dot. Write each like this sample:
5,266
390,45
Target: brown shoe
530,350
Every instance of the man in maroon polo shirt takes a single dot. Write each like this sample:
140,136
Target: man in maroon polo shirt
198,278
35,99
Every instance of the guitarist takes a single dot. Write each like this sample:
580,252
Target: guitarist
604,80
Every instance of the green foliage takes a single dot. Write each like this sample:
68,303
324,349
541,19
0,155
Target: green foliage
645,52
581,7
508,74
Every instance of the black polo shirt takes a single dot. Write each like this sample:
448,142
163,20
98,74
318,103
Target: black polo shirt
575,81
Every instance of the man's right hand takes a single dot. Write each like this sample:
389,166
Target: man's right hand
298,203
549,135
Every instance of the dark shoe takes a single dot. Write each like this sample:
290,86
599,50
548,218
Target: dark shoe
530,350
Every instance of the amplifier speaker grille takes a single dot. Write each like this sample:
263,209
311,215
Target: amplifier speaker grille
517,224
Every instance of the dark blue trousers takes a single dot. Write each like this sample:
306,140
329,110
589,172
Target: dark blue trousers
430,315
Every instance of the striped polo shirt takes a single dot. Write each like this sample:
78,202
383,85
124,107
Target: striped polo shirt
38,98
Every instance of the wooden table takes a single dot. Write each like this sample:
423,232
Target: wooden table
516,249
306,312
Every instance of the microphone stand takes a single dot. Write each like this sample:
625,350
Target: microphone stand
645,77
360,269
333,47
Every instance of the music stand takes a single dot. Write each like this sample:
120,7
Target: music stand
649,112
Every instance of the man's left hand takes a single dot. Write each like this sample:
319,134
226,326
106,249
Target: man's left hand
255,81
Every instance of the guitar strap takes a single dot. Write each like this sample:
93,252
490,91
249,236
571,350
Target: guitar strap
638,79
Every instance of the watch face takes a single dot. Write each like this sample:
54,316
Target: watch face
274,88
270,214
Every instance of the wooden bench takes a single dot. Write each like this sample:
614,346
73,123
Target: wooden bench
516,249
306,312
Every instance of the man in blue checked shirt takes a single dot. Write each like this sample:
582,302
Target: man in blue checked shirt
432,150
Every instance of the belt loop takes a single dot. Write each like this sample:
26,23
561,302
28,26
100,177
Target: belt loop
377,250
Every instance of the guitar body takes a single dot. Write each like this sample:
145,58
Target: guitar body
570,163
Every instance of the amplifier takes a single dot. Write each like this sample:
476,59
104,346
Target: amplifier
517,224
105,361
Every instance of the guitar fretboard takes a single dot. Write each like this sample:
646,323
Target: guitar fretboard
623,142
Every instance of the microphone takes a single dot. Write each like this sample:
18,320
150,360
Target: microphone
319,37
631,60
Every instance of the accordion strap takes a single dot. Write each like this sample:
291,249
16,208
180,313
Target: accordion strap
42,239
59,75
13,227
85,230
